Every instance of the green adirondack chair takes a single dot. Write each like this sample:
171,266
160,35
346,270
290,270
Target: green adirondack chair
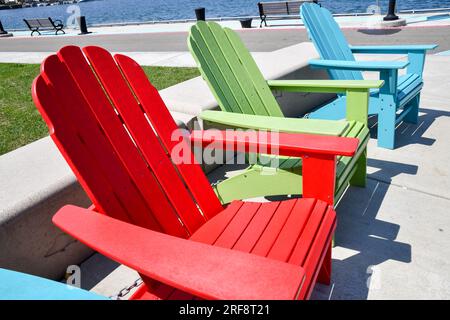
246,101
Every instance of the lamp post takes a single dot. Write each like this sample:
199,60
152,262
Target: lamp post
2,31
391,12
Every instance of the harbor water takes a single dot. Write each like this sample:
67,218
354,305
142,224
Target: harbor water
115,11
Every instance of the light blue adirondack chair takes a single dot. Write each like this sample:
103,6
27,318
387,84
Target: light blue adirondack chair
20,286
398,100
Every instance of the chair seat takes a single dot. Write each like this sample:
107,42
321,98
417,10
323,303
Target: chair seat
295,231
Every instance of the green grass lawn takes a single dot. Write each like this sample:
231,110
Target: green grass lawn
21,123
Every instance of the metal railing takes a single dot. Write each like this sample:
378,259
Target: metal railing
424,10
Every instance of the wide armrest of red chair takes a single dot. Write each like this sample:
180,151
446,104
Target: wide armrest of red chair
283,144
202,270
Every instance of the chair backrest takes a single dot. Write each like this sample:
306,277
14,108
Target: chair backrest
230,71
328,39
114,130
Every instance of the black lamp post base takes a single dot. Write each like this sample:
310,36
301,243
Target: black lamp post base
390,17
391,12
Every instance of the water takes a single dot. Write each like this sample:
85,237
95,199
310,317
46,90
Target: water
110,11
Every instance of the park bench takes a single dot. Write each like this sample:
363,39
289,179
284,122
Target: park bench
277,10
44,24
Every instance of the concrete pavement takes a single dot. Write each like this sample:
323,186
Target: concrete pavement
258,40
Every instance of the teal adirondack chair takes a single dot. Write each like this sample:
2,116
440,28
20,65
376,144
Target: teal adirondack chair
246,101
20,286
398,100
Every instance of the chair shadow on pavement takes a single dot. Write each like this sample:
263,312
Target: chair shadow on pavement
362,241
95,269
414,133
408,133
378,31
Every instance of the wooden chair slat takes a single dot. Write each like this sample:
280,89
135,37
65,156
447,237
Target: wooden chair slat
123,145
329,39
165,127
231,71
75,152
144,136
294,226
252,232
324,223
268,238
237,226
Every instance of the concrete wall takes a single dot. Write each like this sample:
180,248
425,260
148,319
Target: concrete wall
35,181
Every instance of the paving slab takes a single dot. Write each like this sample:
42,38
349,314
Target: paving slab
391,243
422,157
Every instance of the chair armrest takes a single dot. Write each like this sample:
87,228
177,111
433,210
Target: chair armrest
318,153
279,124
400,49
331,86
203,270
359,65
284,144
357,92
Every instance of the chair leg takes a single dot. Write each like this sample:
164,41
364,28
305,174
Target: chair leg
413,114
324,276
386,126
359,177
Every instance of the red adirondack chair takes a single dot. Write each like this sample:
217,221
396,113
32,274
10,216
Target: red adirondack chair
163,219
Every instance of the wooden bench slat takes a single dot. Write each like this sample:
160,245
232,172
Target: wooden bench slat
279,10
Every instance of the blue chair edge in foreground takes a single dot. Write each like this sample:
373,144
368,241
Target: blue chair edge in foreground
20,286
